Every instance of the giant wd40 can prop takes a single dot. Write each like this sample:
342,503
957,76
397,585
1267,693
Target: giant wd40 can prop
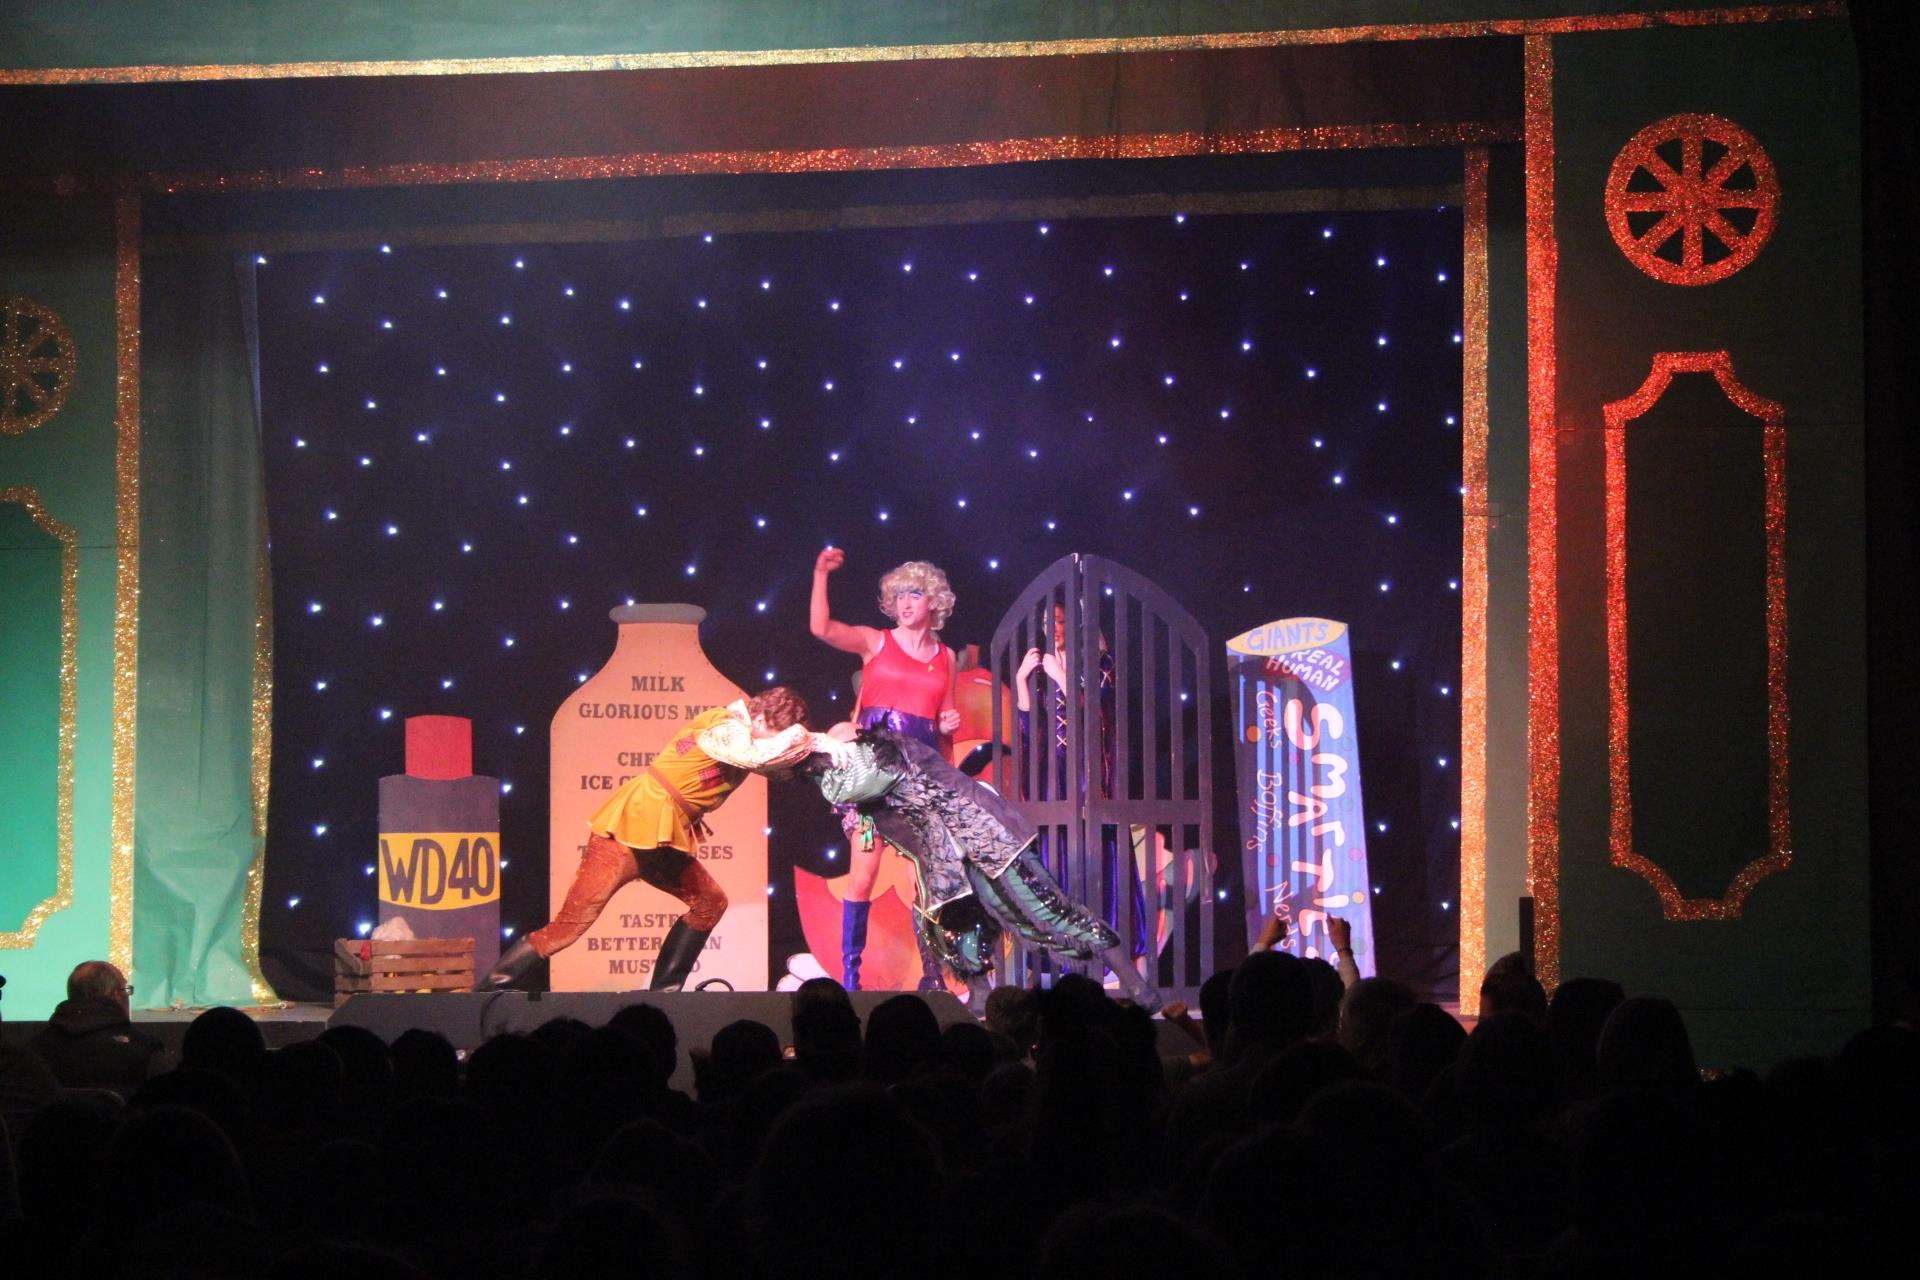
439,857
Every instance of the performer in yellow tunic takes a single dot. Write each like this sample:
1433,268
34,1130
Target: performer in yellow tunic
651,827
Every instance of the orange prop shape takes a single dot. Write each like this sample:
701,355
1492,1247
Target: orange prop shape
892,959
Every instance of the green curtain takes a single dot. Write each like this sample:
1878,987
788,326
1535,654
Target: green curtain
201,560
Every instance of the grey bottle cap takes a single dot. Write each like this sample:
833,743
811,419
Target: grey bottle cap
691,614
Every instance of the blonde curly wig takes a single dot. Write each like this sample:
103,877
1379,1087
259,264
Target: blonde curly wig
924,577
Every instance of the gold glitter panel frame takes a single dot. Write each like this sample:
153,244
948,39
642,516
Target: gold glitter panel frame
62,897
262,727
1543,478
658,164
670,60
1476,524
1619,415
126,606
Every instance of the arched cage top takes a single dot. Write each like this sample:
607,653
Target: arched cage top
1110,755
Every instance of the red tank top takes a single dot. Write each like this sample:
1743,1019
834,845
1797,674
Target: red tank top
894,680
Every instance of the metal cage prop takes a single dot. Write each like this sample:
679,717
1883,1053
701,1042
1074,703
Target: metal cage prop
1113,761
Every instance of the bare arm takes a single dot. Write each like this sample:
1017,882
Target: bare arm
864,641
1176,1014
949,712
1022,700
1341,931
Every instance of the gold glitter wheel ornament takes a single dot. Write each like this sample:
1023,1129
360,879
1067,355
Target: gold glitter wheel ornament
1691,199
36,364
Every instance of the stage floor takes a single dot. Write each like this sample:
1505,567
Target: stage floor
469,1018
318,1011
291,1011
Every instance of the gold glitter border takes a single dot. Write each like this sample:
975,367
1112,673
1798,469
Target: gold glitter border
126,605
856,217
62,897
1080,47
946,155
1543,586
1619,414
1475,526
262,728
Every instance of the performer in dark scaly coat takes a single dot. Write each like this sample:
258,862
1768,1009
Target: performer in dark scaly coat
974,855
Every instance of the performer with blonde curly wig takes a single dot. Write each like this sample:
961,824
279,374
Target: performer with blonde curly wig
906,687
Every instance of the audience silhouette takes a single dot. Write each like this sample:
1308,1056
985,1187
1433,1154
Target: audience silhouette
1569,1133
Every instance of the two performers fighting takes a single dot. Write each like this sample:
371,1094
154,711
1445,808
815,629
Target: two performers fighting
977,869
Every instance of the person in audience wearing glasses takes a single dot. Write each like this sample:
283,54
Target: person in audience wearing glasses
90,1042
650,829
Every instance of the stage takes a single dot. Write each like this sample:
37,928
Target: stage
534,531
467,1019
1415,349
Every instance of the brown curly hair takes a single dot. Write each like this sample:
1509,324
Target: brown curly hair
779,706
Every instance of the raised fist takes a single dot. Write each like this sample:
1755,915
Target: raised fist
829,560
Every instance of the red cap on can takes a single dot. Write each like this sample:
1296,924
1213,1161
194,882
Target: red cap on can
439,746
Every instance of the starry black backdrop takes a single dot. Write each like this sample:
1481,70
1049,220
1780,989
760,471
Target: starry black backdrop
474,453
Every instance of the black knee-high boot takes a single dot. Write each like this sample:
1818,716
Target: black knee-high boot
930,978
1032,903
678,952
516,963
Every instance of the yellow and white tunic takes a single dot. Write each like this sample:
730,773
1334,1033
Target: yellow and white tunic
703,763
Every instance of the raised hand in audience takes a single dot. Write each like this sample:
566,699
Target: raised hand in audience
1272,933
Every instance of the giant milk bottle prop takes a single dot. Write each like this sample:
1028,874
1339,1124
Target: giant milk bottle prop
656,681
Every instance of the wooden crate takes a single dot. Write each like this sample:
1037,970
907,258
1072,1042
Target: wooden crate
416,964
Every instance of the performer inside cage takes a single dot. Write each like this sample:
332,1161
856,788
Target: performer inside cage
1056,662
906,686
650,830
977,871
